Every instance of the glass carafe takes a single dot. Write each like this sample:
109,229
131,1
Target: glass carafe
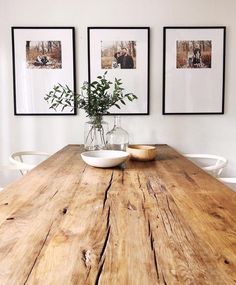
117,138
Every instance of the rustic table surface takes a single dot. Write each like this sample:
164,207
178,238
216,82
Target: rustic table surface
161,222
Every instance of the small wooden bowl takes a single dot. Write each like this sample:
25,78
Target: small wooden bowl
142,152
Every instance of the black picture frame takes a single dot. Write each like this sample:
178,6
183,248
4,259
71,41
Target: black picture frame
184,80
141,37
28,91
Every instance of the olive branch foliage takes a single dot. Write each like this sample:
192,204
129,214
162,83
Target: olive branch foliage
96,98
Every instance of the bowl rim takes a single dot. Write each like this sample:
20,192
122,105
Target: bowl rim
141,147
123,154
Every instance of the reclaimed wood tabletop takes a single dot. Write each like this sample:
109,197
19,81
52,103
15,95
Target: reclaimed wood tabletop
159,222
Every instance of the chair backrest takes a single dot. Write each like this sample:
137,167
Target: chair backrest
229,180
17,158
217,165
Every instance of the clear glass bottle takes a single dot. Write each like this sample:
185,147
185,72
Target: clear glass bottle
117,138
94,134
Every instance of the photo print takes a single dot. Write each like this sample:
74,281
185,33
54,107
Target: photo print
123,53
193,54
41,58
193,70
43,54
118,54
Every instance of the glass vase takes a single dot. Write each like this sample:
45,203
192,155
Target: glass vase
117,138
94,134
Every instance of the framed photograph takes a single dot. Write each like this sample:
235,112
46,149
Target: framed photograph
124,53
42,58
194,70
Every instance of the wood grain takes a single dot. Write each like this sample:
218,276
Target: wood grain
160,222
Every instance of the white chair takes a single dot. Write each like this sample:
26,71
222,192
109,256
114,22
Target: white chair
17,159
228,180
218,163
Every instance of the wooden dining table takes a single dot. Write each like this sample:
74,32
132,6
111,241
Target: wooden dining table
159,222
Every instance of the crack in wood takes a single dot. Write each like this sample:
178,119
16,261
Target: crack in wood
164,225
177,220
149,228
168,221
131,207
108,218
140,187
99,273
144,211
155,262
87,276
54,194
11,218
139,181
162,187
151,240
153,250
168,206
220,207
184,232
44,241
123,176
144,197
216,215
107,190
84,168
190,179
150,189
105,244
152,192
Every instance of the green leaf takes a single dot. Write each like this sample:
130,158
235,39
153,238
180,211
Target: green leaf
68,102
95,98
63,107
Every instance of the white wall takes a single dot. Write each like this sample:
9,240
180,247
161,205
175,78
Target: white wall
210,134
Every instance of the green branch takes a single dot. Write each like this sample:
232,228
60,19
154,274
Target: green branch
95,97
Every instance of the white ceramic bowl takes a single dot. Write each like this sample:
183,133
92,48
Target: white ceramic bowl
104,158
